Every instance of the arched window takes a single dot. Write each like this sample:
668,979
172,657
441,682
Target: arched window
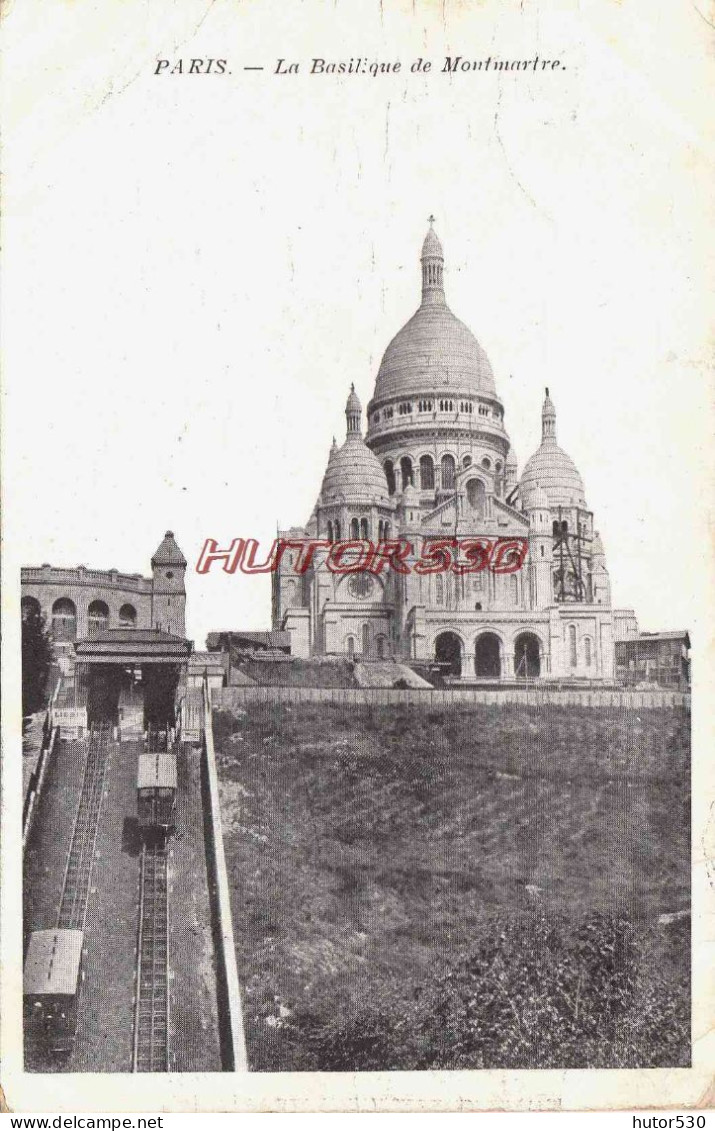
439,589
365,640
477,496
291,592
389,469
364,529
64,619
447,470
330,531
337,530
381,646
467,461
127,617
29,607
427,473
572,645
555,528
486,463
98,617
406,470
380,530
387,530
354,529
350,646
587,651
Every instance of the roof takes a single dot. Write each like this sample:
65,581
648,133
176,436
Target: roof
156,771
646,637
168,553
555,472
434,352
354,473
132,645
550,468
273,639
52,962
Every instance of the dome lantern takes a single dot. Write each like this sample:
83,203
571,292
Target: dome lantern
353,413
432,260
548,419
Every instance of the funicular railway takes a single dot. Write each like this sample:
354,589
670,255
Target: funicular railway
130,696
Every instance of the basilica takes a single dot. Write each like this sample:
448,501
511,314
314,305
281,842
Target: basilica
436,461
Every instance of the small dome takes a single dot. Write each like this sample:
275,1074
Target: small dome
410,495
552,472
354,474
551,469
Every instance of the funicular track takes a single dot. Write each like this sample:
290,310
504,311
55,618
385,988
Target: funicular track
80,858
151,1011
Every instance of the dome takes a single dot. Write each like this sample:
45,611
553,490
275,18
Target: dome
434,352
353,473
551,469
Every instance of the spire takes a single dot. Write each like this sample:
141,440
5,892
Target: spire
548,419
353,412
432,269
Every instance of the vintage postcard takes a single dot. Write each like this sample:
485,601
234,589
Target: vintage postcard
357,717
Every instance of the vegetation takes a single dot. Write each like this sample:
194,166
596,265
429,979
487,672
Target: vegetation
300,673
476,887
36,660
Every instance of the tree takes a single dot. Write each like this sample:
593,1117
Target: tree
36,660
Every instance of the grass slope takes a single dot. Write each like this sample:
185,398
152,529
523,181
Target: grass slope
477,887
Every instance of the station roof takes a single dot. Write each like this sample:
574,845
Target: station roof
133,646
52,962
156,771
275,638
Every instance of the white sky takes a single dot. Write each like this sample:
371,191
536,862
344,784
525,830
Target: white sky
197,267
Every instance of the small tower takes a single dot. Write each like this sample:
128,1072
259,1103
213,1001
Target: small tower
432,260
600,581
168,595
540,550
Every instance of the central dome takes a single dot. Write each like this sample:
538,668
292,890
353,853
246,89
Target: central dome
435,352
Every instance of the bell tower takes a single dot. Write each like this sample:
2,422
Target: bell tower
168,596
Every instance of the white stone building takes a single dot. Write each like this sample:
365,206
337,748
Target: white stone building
437,462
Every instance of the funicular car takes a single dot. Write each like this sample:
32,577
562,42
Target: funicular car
52,982
156,791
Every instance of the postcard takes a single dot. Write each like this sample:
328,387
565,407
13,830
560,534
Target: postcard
357,604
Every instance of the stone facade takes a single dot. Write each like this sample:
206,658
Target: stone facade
437,462
78,602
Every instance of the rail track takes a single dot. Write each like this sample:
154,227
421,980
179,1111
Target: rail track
80,858
151,1009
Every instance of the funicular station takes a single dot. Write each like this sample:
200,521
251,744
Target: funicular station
103,856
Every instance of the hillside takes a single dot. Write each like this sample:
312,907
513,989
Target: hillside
477,887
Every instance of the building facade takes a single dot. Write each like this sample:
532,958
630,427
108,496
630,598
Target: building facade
79,603
436,461
662,658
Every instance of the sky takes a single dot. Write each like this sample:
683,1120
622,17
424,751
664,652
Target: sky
197,267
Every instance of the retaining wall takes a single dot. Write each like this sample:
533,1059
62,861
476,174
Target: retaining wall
233,1041
232,697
